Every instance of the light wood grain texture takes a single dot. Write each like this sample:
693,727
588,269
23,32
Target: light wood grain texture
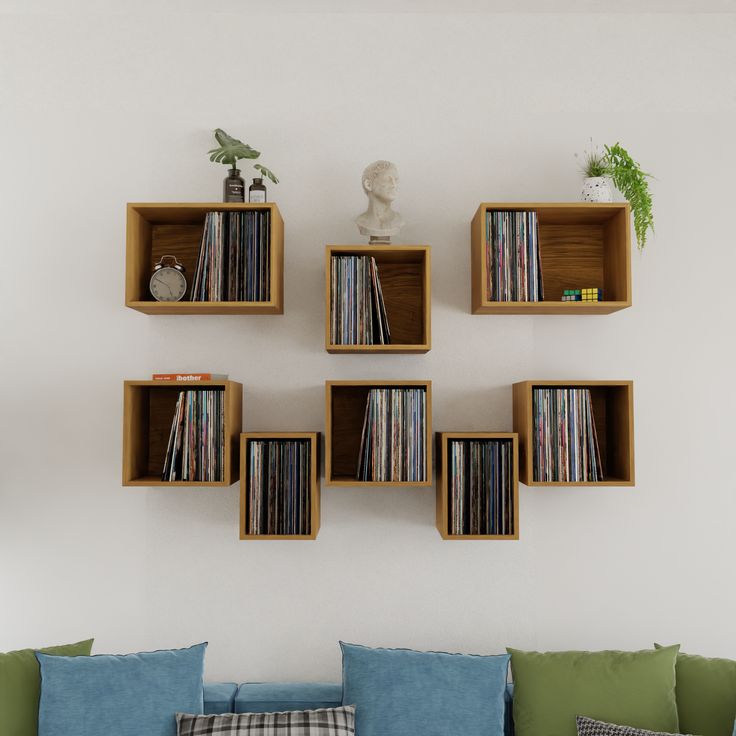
613,410
345,403
148,411
582,245
154,230
406,275
443,482
314,439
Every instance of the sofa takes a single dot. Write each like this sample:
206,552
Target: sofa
266,697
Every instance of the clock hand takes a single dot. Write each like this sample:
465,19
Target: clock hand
161,281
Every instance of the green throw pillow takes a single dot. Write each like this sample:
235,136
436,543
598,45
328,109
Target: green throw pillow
706,694
629,688
20,686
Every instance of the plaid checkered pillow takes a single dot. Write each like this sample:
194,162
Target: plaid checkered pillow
591,727
321,722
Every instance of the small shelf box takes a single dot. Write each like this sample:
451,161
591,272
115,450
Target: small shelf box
313,438
345,413
582,245
148,411
613,412
405,274
444,473
154,230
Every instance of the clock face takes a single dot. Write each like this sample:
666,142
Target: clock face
168,285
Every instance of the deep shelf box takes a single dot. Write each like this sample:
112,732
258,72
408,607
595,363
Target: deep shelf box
148,411
582,245
154,230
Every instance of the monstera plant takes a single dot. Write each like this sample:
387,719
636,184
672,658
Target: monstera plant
231,150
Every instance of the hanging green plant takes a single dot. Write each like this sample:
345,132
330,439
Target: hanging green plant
633,183
616,164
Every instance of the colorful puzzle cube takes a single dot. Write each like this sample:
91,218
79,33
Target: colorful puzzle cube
571,295
592,295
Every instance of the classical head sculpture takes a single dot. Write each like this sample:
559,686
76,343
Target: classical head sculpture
380,182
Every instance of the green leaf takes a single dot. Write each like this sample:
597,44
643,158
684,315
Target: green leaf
230,149
632,182
267,172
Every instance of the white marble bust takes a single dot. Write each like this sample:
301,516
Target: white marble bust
379,221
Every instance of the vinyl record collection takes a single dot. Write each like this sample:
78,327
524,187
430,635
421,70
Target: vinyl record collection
514,269
393,446
234,258
481,487
279,486
196,448
566,443
357,310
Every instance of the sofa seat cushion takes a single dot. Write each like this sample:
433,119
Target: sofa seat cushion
219,697
269,697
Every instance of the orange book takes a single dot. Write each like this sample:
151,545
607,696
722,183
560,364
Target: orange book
193,377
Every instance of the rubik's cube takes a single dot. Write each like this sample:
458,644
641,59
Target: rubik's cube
582,295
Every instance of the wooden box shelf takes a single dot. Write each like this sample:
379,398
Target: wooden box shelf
148,411
345,413
443,482
405,273
582,245
154,230
613,410
314,487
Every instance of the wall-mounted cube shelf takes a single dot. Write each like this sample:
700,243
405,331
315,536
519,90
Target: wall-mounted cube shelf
148,412
613,411
154,230
405,275
582,245
509,504
313,501
345,415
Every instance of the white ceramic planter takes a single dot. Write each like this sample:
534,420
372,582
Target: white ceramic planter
596,189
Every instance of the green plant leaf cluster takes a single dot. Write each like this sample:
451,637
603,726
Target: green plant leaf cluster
231,150
595,165
633,183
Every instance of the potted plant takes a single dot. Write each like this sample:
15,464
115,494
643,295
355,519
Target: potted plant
230,151
616,164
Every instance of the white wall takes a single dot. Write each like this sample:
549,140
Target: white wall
99,108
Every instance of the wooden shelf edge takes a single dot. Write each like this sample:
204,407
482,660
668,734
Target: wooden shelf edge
480,537
347,349
278,537
377,484
205,307
582,484
143,483
549,307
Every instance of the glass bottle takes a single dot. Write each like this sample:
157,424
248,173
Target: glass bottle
257,191
233,188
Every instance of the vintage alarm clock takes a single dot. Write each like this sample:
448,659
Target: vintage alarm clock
168,283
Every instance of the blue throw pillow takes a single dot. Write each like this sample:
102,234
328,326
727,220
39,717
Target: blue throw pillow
400,692
119,695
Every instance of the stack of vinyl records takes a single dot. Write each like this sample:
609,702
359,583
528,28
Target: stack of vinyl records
196,448
234,261
565,447
279,487
394,441
481,483
357,310
514,269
